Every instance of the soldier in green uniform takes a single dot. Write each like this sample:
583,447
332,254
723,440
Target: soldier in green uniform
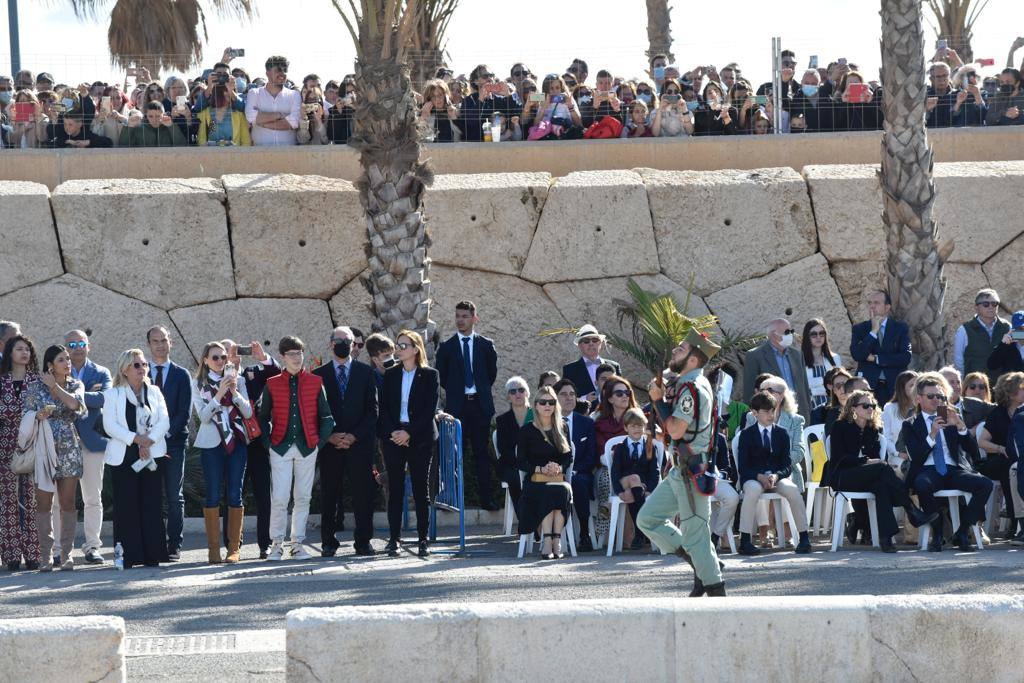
688,422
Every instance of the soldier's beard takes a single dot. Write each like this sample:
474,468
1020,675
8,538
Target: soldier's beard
678,366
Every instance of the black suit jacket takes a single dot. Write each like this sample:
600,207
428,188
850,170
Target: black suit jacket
423,397
962,447
752,459
451,371
623,465
892,356
577,373
356,414
1006,358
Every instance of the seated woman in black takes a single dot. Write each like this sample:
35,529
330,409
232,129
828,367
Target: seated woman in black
855,464
506,428
634,473
992,439
545,455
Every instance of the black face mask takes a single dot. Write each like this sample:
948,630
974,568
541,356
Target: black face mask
389,362
342,348
1006,88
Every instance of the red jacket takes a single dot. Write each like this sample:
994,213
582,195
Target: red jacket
309,391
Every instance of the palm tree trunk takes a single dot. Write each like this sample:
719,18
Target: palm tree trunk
391,190
915,260
659,32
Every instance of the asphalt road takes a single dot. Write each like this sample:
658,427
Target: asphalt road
250,600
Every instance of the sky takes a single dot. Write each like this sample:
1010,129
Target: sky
545,35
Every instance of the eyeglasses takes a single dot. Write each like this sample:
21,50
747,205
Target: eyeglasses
789,331
517,73
517,390
546,402
817,333
788,63
622,393
217,359
869,406
77,344
975,386
402,346
138,365
987,304
590,340
935,397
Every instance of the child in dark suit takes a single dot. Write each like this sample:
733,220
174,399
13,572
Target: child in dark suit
634,474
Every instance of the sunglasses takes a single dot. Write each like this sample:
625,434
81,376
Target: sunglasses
77,344
975,386
402,346
518,73
546,402
987,304
359,345
622,393
590,340
935,397
789,331
138,365
817,334
217,359
517,390
869,406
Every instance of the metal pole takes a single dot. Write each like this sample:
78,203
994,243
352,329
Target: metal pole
12,22
777,85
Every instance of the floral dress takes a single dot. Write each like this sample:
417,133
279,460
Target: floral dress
17,491
62,422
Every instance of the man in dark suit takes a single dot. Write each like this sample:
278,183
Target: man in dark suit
176,386
881,346
584,441
257,464
780,357
1009,355
468,365
582,372
352,396
941,449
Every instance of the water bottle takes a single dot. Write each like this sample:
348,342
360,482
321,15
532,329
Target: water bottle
118,557
496,128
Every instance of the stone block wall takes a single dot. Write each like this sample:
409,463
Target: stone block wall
254,257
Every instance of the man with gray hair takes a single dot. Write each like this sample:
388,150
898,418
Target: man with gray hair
8,329
779,356
977,338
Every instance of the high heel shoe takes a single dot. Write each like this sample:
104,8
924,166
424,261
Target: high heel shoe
556,547
550,555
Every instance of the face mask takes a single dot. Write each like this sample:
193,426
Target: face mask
342,348
1005,88
389,362
646,99
692,105
786,341
5,96
68,103
809,90
659,72
240,84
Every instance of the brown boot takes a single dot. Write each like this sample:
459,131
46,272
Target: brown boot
212,518
44,529
235,519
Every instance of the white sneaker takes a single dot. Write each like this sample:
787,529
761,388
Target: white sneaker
276,553
299,552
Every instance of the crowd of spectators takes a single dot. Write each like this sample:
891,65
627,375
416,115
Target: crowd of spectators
226,105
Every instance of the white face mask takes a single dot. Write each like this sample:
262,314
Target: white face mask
786,341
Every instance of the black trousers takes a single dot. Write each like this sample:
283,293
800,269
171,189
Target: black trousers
138,513
357,464
417,457
257,478
997,466
476,432
879,479
582,490
639,497
928,481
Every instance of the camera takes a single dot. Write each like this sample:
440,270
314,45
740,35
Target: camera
671,98
237,52
222,79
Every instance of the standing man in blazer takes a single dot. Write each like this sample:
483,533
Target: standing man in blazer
941,449
881,346
778,356
468,365
96,379
352,397
176,386
584,459
583,371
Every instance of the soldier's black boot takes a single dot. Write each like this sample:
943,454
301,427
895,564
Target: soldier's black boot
698,588
716,590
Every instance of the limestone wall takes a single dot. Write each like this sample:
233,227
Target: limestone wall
58,648
824,638
260,256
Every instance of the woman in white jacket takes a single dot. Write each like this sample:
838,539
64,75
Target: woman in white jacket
135,418
220,401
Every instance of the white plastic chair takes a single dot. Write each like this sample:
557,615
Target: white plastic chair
510,509
842,507
813,489
568,538
954,516
617,520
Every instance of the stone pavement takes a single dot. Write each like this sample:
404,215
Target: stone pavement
189,621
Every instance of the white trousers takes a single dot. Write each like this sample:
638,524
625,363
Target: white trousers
290,475
723,513
91,485
752,490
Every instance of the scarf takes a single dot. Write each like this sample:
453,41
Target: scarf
228,419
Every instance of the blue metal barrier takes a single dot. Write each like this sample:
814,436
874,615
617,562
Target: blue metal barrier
450,494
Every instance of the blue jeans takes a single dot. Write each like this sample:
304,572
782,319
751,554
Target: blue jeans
219,468
173,470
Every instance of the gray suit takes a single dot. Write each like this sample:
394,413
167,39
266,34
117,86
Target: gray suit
762,360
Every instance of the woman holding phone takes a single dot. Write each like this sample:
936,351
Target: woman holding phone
312,123
712,116
220,123
855,104
221,403
58,399
672,118
26,114
438,113
559,107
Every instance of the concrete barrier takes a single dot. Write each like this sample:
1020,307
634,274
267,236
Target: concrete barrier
849,638
62,649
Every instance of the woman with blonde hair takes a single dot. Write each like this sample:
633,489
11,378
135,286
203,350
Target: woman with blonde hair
544,453
976,386
438,113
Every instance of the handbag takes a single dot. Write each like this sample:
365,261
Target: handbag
253,430
541,478
24,459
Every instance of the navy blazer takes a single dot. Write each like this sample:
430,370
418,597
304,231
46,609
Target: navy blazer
177,391
576,371
752,459
892,356
93,375
914,433
423,398
452,374
357,413
584,439
623,465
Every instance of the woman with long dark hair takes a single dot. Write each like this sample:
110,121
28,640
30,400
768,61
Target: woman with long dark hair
819,359
19,376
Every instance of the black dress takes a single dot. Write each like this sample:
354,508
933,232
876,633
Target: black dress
539,499
138,507
996,465
507,430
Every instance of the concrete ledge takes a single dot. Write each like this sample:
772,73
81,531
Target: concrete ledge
62,649
852,638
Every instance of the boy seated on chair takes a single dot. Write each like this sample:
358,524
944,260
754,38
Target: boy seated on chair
634,472
764,466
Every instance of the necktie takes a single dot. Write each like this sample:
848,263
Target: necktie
766,440
342,379
881,333
939,453
636,451
160,377
467,366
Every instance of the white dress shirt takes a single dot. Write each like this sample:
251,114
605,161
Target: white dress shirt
407,377
950,460
287,102
462,349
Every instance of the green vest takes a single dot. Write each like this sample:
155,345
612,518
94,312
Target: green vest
980,346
